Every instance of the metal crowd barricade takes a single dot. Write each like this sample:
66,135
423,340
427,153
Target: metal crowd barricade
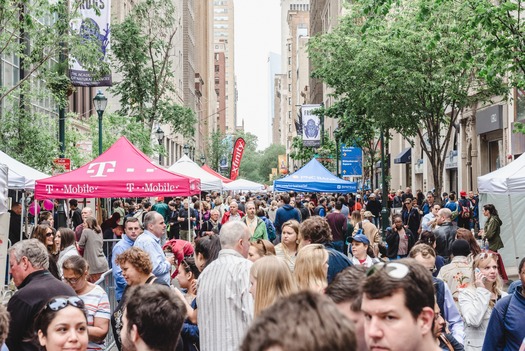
107,283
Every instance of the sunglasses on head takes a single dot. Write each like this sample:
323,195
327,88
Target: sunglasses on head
59,303
394,270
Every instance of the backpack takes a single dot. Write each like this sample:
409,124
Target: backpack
466,212
270,229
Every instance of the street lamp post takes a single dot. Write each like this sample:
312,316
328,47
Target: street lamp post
100,102
160,138
203,159
384,210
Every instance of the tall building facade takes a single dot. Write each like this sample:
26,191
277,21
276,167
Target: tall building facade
223,39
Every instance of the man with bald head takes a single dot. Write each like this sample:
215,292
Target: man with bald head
234,214
149,241
86,212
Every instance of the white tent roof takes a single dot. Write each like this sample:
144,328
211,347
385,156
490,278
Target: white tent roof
20,176
508,179
243,184
187,167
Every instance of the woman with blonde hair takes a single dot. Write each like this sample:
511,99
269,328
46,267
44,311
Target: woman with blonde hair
311,268
477,300
270,280
289,246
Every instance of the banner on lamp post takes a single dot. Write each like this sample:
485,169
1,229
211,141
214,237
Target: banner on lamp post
311,126
238,149
93,24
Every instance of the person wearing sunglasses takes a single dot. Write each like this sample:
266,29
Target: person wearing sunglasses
28,263
46,235
62,325
398,305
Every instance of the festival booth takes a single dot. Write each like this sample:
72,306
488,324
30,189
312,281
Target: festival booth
121,171
20,176
505,189
243,185
314,178
189,168
218,175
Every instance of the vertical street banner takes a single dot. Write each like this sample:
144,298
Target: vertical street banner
91,26
283,167
311,126
238,150
351,161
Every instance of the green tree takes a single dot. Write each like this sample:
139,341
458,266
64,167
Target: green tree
408,70
325,153
143,47
268,160
217,148
34,34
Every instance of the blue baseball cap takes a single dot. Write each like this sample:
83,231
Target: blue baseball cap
360,238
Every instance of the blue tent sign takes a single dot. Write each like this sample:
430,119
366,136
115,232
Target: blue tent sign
351,161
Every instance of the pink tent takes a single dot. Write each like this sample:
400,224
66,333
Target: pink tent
218,175
121,171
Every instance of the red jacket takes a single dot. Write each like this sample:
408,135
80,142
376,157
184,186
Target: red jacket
226,216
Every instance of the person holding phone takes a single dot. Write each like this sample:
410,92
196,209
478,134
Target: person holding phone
477,300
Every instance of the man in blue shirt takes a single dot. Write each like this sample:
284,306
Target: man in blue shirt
149,241
132,230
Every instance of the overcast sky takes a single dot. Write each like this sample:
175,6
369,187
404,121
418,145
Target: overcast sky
257,32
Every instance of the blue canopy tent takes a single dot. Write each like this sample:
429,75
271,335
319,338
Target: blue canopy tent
314,178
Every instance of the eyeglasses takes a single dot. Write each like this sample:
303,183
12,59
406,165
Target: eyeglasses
485,255
73,280
394,270
59,303
48,234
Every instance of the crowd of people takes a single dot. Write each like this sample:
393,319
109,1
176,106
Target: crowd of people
268,272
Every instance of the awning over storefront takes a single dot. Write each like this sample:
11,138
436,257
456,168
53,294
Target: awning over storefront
404,156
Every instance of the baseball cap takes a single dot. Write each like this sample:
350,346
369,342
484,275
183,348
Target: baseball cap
242,199
462,193
160,198
360,238
368,214
358,196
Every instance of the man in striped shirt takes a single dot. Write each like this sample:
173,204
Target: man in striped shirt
225,306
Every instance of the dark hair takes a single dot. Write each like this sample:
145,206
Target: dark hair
316,229
73,202
347,286
40,233
208,246
190,266
43,216
46,315
417,286
92,223
520,267
67,237
492,210
427,237
311,321
77,264
157,312
338,205
285,198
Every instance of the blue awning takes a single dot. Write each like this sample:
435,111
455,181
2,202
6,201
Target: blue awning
404,156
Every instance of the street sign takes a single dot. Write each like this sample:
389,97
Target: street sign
61,165
351,161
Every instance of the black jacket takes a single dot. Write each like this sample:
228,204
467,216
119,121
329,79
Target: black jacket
36,290
445,236
392,239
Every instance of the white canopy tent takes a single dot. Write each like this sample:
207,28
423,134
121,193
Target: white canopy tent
187,167
243,185
20,176
505,189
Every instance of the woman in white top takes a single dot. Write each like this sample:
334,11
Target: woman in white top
68,246
289,245
477,300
